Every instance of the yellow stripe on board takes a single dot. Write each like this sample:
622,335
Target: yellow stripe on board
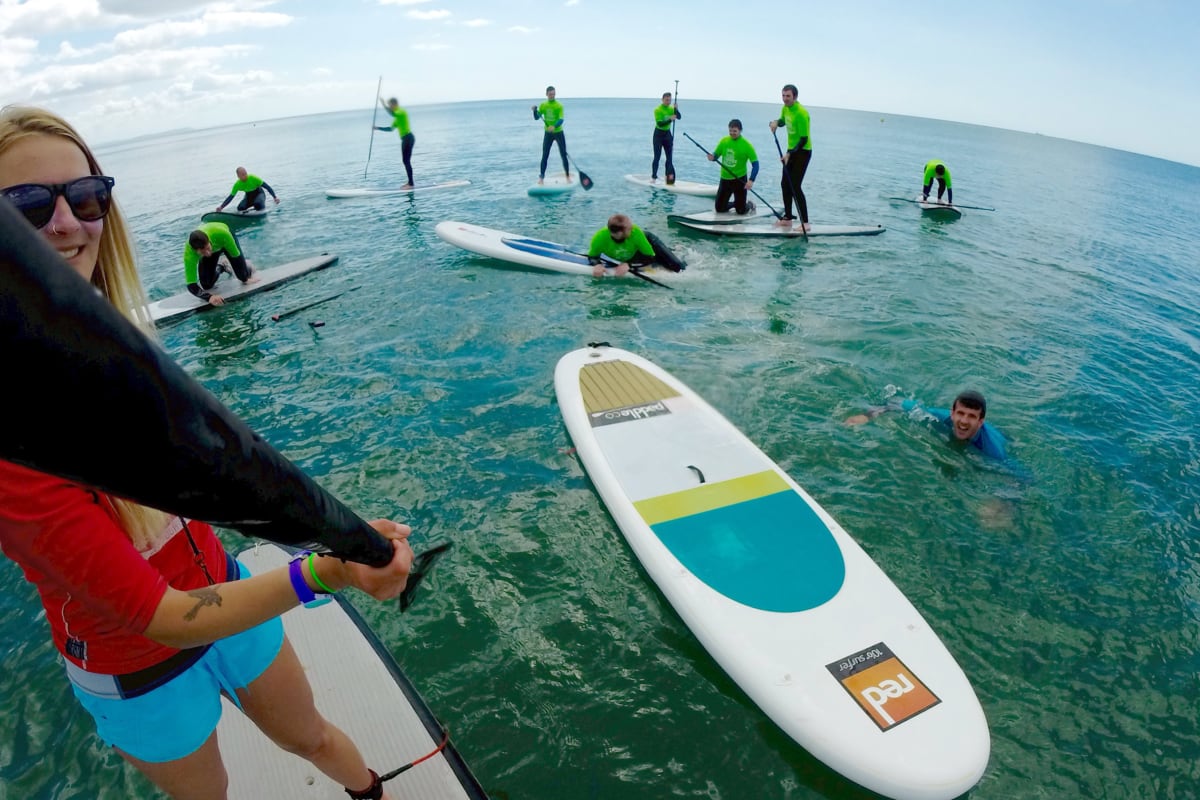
606,385
709,496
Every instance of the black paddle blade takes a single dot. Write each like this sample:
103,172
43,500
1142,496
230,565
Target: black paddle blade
585,181
421,566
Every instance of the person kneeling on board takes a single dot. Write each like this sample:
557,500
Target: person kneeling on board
963,420
626,246
254,187
735,152
937,169
201,255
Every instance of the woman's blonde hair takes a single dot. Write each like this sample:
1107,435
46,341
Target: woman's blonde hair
116,277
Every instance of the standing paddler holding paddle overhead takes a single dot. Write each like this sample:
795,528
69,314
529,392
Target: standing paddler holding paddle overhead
551,115
154,620
665,114
407,139
795,118
937,170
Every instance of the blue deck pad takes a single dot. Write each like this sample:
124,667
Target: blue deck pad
772,553
548,249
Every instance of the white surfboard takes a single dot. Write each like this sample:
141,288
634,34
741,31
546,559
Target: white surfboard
766,229
776,591
230,288
420,187
359,687
236,217
937,210
711,217
678,187
552,185
513,248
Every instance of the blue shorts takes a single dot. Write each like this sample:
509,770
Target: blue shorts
175,719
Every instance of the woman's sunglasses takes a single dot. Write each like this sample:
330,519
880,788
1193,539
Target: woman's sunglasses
89,198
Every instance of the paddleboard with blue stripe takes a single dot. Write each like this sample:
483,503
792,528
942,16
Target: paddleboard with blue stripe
789,605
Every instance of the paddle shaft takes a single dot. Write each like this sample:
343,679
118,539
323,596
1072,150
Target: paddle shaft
374,115
731,175
632,269
675,105
953,205
787,175
584,180
305,307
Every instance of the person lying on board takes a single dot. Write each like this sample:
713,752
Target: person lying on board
937,170
624,244
735,152
153,618
964,421
665,115
254,187
201,260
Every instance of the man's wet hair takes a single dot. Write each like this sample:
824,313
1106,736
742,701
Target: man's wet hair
198,240
972,399
940,169
735,123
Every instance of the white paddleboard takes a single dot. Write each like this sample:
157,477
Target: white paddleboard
711,217
361,689
236,217
514,248
932,208
678,187
783,599
420,187
230,288
767,229
555,184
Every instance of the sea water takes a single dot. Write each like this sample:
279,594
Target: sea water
1065,582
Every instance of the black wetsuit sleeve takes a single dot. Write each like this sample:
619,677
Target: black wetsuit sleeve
227,201
166,441
270,191
195,289
799,145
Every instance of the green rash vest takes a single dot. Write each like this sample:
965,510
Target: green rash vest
400,121
734,154
219,237
603,245
795,119
931,175
663,116
251,183
551,113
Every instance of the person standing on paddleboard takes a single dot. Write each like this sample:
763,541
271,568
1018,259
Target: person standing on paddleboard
794,117
407,139
201,260
664,140
937,170
964,421
153,619
734,152
253,186
551,115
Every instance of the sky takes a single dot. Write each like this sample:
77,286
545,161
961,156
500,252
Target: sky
1108,72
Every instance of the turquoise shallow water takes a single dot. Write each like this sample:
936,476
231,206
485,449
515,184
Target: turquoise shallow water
1065,584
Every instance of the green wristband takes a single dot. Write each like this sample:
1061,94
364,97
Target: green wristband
312,570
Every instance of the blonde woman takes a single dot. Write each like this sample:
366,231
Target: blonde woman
153,618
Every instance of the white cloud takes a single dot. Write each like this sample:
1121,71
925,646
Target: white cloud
477,23
570,3
431,46
163,34
436,13
322,72
522,29
402,2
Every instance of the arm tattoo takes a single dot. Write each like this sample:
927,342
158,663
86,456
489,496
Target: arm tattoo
206,596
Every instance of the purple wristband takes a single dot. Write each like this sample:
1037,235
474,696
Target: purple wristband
299,585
